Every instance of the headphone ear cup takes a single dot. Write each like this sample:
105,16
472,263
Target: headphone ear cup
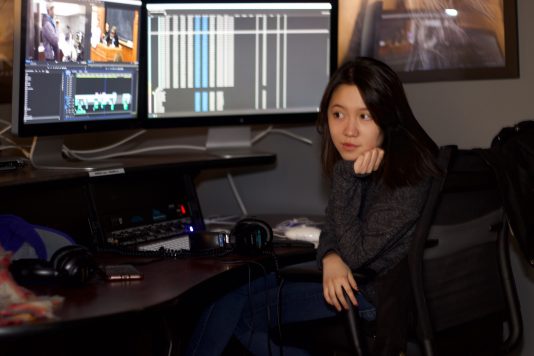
73,263
251,236
31,271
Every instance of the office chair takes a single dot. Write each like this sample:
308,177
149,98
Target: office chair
511,157
463,283
459,270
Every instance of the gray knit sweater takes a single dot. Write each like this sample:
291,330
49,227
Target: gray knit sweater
369,225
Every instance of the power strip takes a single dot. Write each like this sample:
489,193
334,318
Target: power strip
11,163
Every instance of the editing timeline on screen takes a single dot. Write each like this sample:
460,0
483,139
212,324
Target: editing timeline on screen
236,59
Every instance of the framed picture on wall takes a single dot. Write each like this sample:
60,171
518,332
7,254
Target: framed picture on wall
433,40
6,50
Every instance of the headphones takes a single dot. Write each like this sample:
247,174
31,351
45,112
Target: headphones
251,236
72,264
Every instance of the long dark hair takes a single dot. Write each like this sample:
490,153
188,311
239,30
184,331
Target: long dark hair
410,154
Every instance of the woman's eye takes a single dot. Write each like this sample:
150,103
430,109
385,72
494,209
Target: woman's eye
365,116
337,115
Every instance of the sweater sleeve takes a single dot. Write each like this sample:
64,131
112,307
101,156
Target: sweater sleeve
347,186
367,224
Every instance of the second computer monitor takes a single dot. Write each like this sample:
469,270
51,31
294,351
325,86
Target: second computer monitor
229,63
76,65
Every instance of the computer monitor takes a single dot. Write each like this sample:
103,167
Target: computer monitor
76,69
233,63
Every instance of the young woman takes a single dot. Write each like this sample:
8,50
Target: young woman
379,160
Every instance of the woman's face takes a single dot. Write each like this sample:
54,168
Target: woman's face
352,129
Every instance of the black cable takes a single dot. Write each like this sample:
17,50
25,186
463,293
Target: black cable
168,335
274,256
249,296
251,310
279,311
268,309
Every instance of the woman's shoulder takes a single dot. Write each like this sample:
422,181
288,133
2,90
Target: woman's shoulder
416,191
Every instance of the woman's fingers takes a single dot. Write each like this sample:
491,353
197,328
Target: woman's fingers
373,155
331,298
361,163
369,161
341,298
376,158
367,156
379,158
358,165
335,295
337,280
354,287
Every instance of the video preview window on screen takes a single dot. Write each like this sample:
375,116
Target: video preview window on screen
82,60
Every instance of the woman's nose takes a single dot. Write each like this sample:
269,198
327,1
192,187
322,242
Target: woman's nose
351,128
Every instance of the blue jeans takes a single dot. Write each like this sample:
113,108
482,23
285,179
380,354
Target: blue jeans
250,311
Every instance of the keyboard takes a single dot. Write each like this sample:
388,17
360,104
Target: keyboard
169,235
173,244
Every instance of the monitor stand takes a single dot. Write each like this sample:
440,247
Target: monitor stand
47,154
231,142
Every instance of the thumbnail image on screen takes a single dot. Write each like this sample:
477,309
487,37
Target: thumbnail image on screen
77,66
227,58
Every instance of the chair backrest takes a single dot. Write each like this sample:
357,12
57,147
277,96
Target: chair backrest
512,158
424,324
455,262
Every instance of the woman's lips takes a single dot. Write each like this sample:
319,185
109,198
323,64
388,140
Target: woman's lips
349,146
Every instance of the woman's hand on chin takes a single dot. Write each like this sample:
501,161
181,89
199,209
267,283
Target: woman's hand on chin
369,161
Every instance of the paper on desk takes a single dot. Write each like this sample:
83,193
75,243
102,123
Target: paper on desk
302,229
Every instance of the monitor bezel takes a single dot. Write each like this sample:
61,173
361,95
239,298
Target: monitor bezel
22,129
236,119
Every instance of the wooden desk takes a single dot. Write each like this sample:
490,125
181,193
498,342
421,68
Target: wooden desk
103,312
59,199
104,53
135,318
186,161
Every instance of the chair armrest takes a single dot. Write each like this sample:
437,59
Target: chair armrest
302,272
308,272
